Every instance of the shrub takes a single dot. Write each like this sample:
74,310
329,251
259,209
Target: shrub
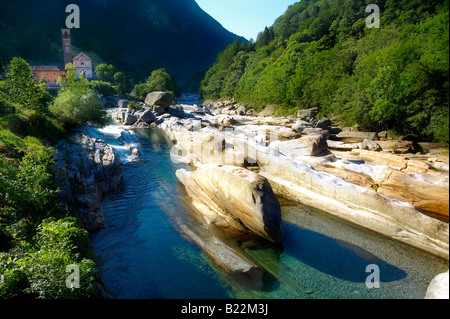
103,88
159,80
77,103
41,271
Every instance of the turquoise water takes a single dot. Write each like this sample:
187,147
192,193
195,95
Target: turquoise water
143,255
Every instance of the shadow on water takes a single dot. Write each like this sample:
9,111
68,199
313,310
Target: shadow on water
335,257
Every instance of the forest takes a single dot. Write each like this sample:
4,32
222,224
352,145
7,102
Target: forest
321,53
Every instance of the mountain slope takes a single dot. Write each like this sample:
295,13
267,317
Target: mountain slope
137,36
320,53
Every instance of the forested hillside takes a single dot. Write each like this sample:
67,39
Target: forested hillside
320,53
136,36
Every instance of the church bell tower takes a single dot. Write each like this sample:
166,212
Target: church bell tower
67,46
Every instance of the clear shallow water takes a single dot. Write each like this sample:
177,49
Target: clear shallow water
143,255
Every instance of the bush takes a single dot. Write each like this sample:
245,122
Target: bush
77,103
103,88
60,243
159,80
27,193
41,271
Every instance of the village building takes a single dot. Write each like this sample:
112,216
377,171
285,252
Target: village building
49,74
67,46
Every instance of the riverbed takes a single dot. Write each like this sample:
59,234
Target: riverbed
143,254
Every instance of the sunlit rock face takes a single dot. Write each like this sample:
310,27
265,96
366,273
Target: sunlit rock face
234,198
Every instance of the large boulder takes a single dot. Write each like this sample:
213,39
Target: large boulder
203,146
123,103
234,198
241,110
369,145
159,98
146,116
324,124
308,114
287,133
300,125
129,119
438,288
312,131
309,145
356,137
225,120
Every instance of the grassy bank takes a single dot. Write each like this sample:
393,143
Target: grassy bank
39,238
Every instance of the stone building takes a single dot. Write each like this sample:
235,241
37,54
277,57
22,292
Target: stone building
83,65
49,74
67,46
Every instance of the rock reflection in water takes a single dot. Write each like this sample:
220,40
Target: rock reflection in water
224,251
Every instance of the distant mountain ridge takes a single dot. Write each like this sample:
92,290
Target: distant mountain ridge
136,36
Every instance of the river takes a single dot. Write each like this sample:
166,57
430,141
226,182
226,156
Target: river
143,254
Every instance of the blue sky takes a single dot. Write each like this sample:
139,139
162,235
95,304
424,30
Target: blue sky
245,17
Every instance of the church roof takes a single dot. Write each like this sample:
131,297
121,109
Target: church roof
46,68
82,54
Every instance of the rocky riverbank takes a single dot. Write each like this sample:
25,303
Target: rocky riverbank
85,169
343,172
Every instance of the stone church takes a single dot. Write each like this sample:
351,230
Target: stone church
82,62
50,74
83,65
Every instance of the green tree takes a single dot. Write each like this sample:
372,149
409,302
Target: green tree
105,72
77,103
122,83
265,37
22,89
159,80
